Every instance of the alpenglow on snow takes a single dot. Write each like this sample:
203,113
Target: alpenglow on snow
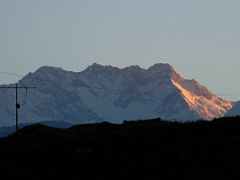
106,93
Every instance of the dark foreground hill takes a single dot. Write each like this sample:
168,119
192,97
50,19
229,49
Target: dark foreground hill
149,150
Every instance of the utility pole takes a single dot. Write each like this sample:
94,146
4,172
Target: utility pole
17,104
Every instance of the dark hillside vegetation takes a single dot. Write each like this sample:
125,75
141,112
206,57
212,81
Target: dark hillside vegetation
150,149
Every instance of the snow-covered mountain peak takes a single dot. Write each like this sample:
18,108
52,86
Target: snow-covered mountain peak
159,67
206,104
165,71
98,68
114,94
133,68
95,67
163,67
48,69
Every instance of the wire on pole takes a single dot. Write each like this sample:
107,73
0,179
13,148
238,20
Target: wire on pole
17,105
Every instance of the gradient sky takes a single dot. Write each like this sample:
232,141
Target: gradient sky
200,38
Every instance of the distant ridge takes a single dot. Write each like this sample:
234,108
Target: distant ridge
142,150
5,131
235,111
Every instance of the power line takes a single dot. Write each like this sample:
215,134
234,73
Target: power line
37,79
25,98
17,105
11,74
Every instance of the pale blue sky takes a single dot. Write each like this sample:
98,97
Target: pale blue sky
200,38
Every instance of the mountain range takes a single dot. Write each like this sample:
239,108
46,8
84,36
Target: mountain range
235,111
106,93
